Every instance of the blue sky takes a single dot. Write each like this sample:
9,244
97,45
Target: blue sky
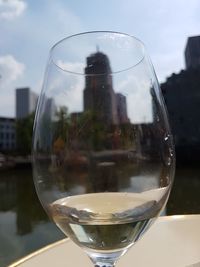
28,29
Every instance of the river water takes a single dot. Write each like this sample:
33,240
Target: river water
24,226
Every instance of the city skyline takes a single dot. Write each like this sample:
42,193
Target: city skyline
26,99
28,35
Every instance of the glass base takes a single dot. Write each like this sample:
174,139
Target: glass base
108,259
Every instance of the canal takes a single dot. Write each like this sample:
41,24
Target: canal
24,226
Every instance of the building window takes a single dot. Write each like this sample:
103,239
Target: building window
2,136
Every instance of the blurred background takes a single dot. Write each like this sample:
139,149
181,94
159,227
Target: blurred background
28,29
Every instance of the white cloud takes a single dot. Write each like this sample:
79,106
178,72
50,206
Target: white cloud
66,87
46,32
65,17
136,88
76,67
7,104
11,9
37,86
166,64
10,70
43,34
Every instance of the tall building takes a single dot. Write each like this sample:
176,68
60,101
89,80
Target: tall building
50,107
7,134
182,98
26,101
99,95
192,52
121,108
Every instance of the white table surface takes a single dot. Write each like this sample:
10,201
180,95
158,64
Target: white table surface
173,241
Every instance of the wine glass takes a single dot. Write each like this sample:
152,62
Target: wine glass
103,156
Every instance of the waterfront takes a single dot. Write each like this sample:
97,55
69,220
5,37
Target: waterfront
24,226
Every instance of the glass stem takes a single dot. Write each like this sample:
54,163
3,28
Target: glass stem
105,259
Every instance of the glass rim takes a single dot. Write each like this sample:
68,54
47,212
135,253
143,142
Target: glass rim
52,49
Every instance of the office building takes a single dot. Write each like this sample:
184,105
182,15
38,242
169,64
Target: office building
26,102
192,52
121,108
7,134
99,95
182,98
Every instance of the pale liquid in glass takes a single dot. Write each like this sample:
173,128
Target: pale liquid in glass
105,221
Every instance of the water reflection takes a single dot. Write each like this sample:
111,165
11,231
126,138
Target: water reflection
18,200
19,196
24,226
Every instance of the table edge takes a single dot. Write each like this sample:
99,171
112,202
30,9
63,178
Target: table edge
37,252
50,246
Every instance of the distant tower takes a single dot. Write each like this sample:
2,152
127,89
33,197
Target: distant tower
99,95
26,101
192,52
121,108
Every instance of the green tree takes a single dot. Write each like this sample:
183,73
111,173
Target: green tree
24,131
62,123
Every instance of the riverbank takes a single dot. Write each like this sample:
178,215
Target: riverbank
11,162
18,162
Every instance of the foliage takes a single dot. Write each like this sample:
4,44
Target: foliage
62,123
24,131
83,131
